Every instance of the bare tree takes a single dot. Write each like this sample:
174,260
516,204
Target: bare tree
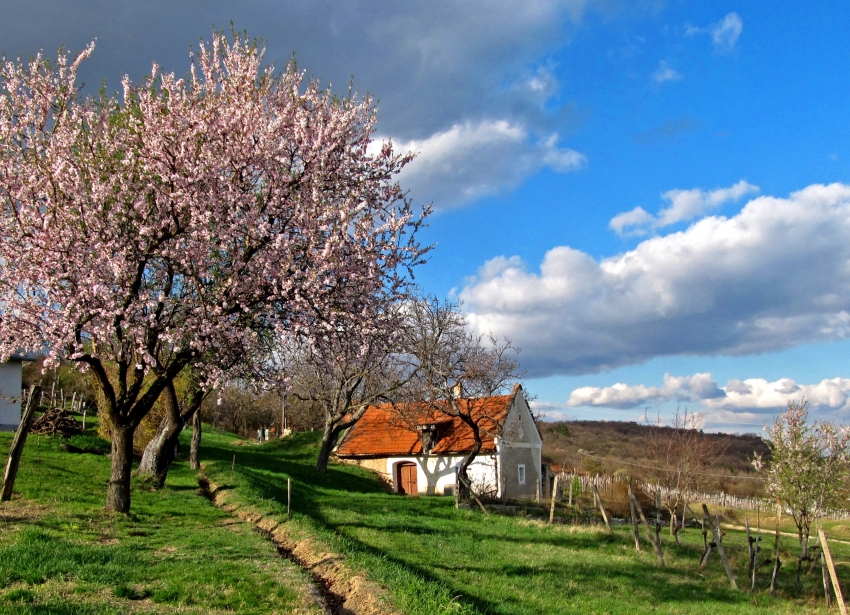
356,363
450,363
681,455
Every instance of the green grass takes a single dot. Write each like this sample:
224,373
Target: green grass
435,559
175,553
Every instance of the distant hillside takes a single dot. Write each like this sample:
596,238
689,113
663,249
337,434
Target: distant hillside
615,445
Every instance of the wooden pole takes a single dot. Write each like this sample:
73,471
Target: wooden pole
827,583
776,561
635,529
18,447
718,539
554,498
656,545
602,510
289,498
831,567
232,466
750,553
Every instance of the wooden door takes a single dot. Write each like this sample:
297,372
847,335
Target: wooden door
407,479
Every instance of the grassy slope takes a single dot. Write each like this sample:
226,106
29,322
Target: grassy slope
60,553
435,559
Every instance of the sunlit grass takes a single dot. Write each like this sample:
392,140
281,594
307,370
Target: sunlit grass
434,558
61,553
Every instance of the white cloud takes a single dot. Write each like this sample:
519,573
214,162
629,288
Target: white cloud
750,402
684,205
759,394
773,276
726,32
439,70
471,160
665,72
620,395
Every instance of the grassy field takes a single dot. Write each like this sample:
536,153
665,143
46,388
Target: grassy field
176,553
435,559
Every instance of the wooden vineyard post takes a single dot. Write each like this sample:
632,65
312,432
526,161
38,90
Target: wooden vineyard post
554,498
831,567
757,548
602,510
656,544
776,561
703,562
750,550
827,582
718,539
635,529
289,498
18,447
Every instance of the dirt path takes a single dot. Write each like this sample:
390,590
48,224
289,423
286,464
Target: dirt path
342,590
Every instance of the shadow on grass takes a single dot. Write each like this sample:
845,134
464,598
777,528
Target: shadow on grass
348,501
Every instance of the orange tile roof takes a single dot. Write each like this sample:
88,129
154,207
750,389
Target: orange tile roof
382,432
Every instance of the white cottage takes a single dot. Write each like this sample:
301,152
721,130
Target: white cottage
10,392
420,456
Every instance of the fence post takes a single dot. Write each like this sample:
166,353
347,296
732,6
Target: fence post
831,567
634,519
554,499
718,539
17,448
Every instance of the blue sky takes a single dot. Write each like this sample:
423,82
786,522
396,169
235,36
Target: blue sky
651,198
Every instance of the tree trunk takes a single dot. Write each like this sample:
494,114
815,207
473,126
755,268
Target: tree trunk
329,437
161,451
118,493
194,451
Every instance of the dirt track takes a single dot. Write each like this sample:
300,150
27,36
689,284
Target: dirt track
341,590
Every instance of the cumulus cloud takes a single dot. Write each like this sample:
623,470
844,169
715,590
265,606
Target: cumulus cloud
684,205
749,402
665,72
726,32
775,275
473,160
759,394
440,70
620,395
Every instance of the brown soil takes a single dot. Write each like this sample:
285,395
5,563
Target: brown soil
343,591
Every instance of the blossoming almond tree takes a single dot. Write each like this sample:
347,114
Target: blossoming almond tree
808,467
183,224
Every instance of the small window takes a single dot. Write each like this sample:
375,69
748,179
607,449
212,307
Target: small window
520,472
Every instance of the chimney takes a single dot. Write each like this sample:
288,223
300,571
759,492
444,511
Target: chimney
457,390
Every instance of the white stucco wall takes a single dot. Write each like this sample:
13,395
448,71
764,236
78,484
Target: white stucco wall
520,444
435,473
10,393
